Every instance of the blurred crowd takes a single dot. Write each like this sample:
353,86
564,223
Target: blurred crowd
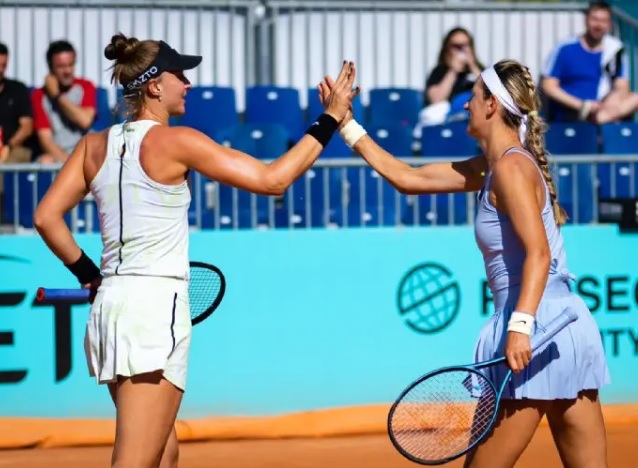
586,78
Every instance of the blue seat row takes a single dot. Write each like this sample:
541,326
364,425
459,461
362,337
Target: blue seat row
355,196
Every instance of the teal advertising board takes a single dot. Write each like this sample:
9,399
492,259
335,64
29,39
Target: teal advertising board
311,319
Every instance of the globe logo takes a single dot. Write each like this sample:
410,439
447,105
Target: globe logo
429,298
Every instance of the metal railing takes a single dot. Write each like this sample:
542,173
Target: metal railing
334,193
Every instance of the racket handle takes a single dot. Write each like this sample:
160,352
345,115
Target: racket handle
50,295
553,327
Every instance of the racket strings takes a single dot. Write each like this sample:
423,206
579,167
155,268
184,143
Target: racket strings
203,289
444,414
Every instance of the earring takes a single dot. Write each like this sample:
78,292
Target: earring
160,98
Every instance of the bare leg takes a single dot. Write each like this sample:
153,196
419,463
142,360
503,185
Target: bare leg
145,437
578,429
515,427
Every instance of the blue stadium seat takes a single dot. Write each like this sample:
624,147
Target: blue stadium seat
394,106
574,182
263,141
395,138
274,104
104,117
448,140
576,138
618,180
210,109
315,108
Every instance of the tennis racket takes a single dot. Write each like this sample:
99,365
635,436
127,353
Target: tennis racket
447,412
206,289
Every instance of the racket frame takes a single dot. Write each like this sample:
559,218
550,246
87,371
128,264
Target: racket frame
536,341
222,290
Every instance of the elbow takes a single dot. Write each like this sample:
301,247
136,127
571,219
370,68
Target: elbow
85,125
39,220
404,183
274,185
541,257
276,189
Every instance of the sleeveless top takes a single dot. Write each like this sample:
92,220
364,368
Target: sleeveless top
503,252
144,224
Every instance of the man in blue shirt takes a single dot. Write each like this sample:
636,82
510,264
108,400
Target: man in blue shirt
587,78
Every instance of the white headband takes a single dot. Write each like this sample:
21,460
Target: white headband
493,83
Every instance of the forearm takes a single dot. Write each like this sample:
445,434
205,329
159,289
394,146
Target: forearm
80,116
52,148
282,172
392,169
563,97
533,282
24,131
441,91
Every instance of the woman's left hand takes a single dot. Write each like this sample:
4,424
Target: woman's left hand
518,351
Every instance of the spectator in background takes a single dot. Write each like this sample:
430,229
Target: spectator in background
449,85
65,107
587,78
16,116
456,70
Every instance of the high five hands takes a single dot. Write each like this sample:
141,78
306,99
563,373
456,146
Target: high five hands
336,96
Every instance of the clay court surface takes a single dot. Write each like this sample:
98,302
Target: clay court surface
347,452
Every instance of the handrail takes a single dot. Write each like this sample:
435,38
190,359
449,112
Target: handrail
358,162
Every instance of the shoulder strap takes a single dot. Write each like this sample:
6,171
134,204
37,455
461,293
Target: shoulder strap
530,156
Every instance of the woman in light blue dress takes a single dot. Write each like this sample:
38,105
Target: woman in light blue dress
517,229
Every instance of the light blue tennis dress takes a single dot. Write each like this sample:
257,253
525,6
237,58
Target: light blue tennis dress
574,359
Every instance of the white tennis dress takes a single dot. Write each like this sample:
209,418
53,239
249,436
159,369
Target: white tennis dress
140,319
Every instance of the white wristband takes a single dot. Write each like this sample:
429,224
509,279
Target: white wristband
521,322
352,132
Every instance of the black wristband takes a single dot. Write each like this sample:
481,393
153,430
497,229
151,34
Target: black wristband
84,269
323,128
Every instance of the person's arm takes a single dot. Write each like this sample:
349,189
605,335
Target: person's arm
552,89
439,85
67,190
25,121
42,127
237,169
83,114
621,83
49,146
463,176
551,78
515,191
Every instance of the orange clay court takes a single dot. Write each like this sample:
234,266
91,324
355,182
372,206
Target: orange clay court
352,437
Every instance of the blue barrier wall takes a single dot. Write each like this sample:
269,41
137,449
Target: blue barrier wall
311,319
